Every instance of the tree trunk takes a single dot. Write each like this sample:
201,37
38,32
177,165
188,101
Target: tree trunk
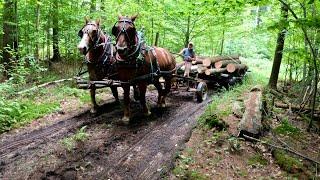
157,39
55,33
279,50
36,51
222,43
10,36
187,34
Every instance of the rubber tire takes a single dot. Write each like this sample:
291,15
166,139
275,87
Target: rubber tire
202,92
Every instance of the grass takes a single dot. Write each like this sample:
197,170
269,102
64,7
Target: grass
70,142
257,159
286,162
285,128
221,104
23,109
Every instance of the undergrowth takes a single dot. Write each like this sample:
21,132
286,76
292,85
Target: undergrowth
70,142
20,109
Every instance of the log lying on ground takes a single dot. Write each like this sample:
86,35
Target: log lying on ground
44,85
295,107
250,123
215,71
224,63
211,60
238,69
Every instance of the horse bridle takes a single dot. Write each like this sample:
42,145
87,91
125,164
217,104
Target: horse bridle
95,43
123,30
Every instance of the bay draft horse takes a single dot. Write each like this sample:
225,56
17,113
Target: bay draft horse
99,56
140,65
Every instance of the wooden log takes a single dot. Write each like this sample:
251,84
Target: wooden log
199,60
179,65
201,69
44,85
250,123
211,60
224,63
239,69
295,107
213,71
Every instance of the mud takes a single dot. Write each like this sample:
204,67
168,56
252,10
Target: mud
144,149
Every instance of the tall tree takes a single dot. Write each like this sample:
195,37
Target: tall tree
279,49
10,38
55,32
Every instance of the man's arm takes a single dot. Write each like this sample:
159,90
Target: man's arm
181,52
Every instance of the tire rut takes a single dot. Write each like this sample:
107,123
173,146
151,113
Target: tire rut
143,150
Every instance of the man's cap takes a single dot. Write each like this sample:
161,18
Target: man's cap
190,43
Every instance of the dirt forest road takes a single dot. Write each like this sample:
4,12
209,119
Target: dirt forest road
145,149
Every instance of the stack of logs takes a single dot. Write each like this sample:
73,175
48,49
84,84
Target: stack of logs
220,65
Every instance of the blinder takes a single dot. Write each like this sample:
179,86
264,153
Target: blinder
80,33
114,30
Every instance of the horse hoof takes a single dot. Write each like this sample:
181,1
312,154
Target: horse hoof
125,120
93,110
147,113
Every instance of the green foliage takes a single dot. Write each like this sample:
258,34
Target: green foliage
70,142
257,159
286,162
15,113
286,128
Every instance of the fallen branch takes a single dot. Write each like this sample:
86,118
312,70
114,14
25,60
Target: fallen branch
289,149
294,107
44,85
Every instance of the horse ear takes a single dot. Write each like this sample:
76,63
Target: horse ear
133,18
119,16
98,21
86,19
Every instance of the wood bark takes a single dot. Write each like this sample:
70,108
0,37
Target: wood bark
201,69
55,32
211,60
36,51
237,68
250,123
209,72
157,39
224,63
295,107
278,51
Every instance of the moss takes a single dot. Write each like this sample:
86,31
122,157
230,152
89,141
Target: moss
257,159
287,163
286,128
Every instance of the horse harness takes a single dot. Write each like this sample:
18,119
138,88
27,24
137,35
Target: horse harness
137,57
105,59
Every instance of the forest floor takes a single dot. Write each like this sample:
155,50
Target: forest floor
173,143
72,144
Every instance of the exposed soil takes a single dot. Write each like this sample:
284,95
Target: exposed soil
145,149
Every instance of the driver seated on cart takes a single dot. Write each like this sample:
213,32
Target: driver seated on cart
188,56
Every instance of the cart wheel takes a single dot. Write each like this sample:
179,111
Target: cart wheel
202,91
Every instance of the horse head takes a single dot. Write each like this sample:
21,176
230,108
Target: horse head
126,36
90,36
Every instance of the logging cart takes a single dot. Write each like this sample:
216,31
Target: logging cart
192,83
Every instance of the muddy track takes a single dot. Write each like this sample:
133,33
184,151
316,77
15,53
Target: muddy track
145,149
